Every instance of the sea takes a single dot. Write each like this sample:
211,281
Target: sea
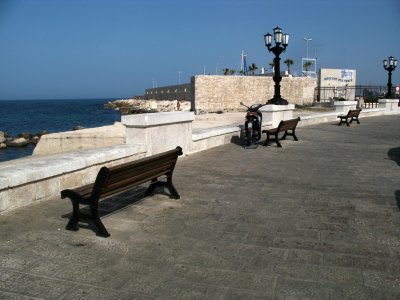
17,116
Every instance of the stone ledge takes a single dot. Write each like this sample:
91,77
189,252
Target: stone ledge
149,120
332,116
201,134
18,172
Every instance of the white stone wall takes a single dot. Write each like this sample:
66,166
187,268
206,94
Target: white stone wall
32,179
84,139
220,92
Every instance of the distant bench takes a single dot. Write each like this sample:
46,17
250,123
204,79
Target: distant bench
114,180
284,126
352,115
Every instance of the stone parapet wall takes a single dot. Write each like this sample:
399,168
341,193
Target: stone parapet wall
224,93
28,180
212,93
84,139
171,92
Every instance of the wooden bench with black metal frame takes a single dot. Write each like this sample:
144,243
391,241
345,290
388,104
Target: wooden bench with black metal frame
121,178
352,115
284,126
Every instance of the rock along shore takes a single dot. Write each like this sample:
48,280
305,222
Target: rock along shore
138,106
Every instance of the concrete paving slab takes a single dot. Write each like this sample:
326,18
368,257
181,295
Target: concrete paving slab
315,219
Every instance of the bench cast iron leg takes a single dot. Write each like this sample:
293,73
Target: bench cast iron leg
151,188
101,229
294,135
168,184
74,219
277,140
267,140
172,189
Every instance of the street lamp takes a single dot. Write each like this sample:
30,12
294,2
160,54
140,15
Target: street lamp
280,39
389,65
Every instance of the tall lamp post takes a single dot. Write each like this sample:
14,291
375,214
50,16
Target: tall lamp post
281,42
389,65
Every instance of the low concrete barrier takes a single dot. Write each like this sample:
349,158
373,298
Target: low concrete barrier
27,180
37,178
84,139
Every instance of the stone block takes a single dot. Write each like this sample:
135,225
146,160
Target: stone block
71,180
21,196
85,139
389,104
47,189
343,107
4,200
160,131
275,113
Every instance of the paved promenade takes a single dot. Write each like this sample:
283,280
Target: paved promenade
316,219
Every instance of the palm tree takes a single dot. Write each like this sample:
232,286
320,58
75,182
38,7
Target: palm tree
228,71
288,62
252,68
272,65
307,64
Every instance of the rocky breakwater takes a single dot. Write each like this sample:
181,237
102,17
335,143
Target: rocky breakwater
21,140
140,106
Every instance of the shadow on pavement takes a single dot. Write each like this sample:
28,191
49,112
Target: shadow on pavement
394,154
111,205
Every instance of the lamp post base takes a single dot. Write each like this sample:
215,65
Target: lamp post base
277,101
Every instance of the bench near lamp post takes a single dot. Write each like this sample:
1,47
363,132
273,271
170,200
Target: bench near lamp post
390,65
281,42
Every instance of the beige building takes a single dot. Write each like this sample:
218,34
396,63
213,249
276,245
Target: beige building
337,84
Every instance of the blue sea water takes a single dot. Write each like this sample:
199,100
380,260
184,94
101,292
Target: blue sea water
34,116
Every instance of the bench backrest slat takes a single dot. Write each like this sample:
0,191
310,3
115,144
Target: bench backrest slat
119,178
136,178
353,113
288,124
120,174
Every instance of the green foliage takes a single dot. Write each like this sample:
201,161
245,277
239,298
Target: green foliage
289,62
228,71
307,65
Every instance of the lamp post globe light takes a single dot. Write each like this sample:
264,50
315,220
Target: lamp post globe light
281,42
389,65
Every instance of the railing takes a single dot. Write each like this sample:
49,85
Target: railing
368,93
370,104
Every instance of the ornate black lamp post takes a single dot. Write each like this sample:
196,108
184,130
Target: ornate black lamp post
390,66
280,39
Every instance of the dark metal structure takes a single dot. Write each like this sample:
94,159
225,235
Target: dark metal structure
369,93
390,65
281,42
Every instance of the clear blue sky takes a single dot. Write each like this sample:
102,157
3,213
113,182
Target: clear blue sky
57,49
